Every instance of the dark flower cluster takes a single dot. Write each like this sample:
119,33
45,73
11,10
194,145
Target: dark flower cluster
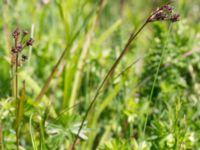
164,13
21,41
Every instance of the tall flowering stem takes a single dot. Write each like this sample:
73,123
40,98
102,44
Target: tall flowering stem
164,13
17,60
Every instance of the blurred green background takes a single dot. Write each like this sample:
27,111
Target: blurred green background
123,118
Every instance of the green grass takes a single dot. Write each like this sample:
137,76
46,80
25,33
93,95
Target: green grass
150,102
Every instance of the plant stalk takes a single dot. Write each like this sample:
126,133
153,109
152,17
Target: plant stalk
108,75
16,91
156,76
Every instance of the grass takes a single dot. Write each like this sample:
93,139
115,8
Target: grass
76,92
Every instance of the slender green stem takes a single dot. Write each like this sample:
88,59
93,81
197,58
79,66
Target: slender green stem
16,76
42,137
156,76
32,134
127,68
16,99
13,81
68,109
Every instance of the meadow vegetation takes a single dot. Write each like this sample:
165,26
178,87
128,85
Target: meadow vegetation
99,74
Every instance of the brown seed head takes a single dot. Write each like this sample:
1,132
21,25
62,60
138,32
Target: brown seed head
16,33
164,13
160,15
24,57
175,17
167,8
25,33
30,42
19,47
14,50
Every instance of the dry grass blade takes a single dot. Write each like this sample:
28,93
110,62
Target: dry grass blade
46,85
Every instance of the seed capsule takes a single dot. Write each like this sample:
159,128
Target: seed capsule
30,42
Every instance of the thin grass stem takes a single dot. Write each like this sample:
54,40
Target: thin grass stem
156,75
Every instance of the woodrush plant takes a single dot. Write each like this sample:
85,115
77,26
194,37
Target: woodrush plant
21,41
164,13
17,57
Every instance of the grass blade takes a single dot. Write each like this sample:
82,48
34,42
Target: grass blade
1,138
19,113
31,133
64,53
84,54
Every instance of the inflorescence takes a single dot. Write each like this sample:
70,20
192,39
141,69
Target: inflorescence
20,43
164,13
